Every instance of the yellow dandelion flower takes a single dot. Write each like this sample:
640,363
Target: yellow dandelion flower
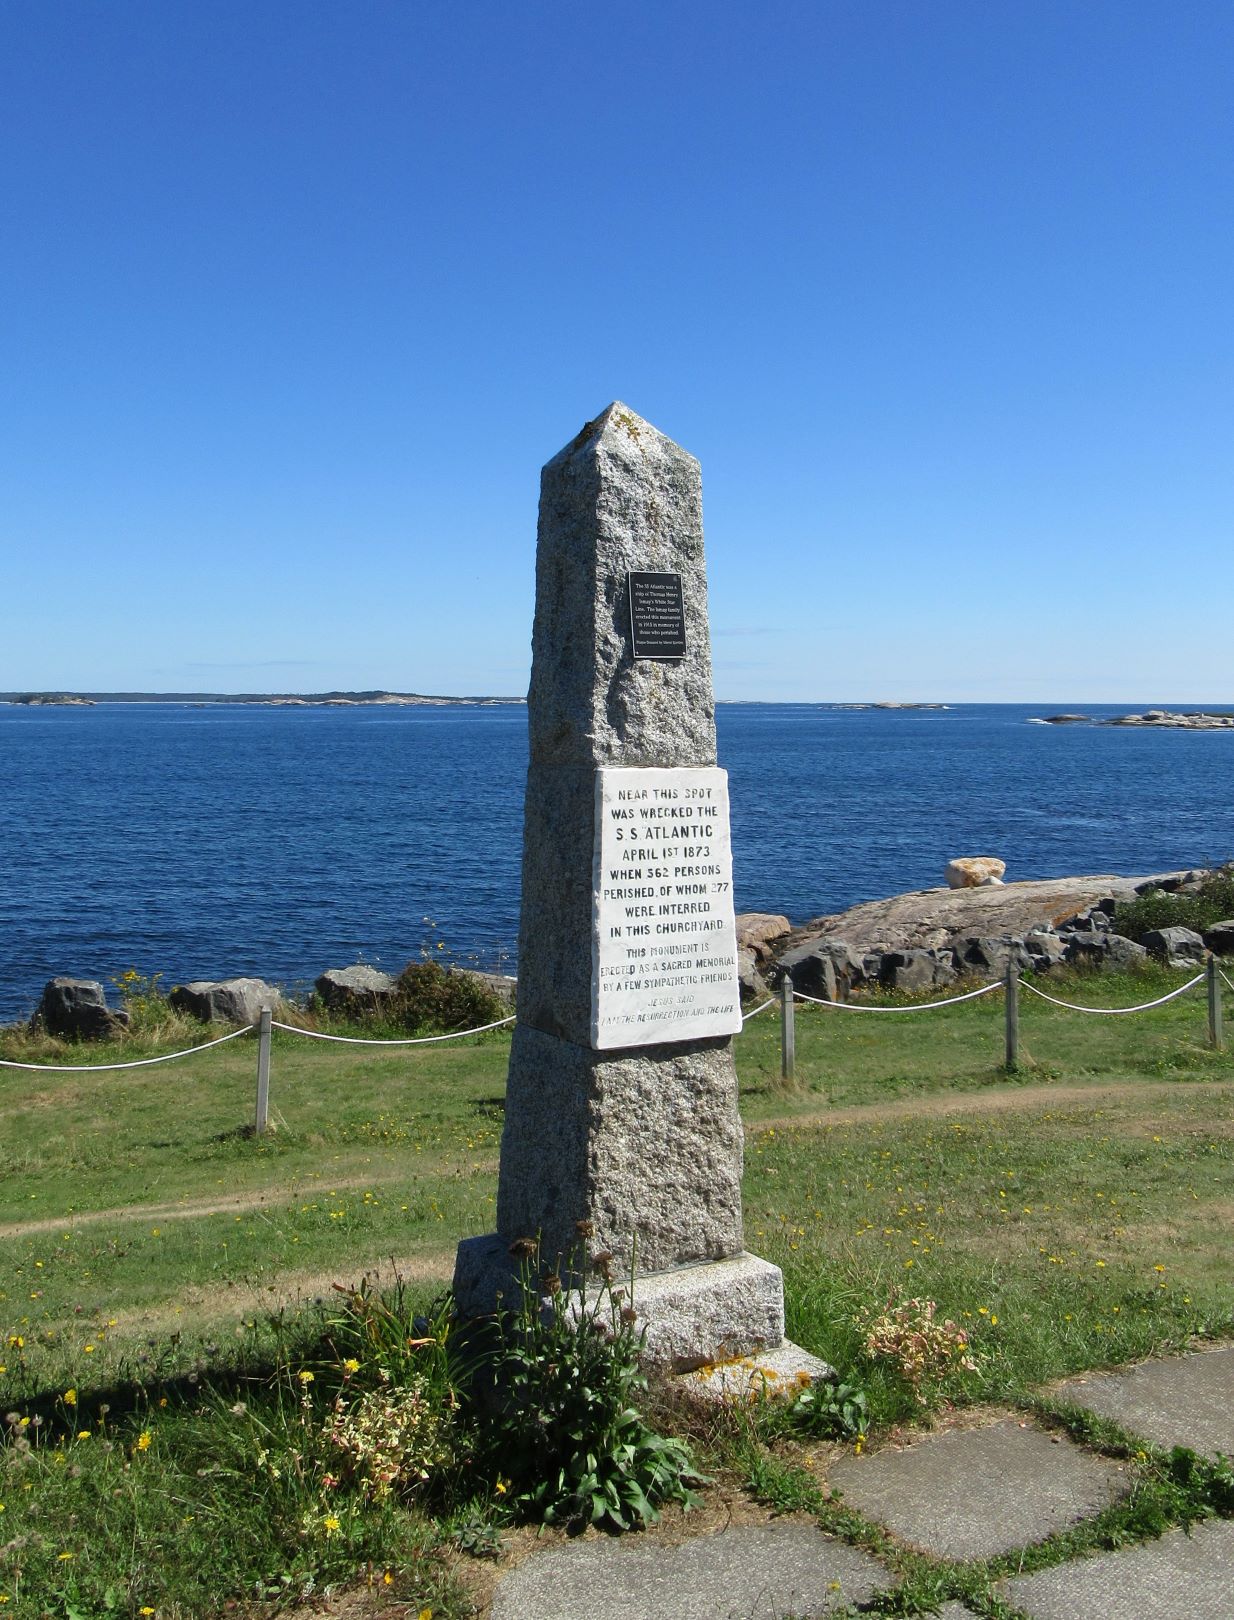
331,1524
351,1365
145,1609
143,1440
83,1434
387,1579
70,1397
305,1376
63,1558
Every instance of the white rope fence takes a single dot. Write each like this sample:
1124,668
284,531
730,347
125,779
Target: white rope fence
789,995
137,1063
1010,986
746,1017
1114,1012
920,1006
263,1028
417,1040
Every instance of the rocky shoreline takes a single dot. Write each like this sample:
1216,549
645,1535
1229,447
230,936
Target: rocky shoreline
1184,720
78,1009
930,938
923,940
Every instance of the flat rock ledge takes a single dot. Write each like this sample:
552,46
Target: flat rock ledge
1189,720
931,937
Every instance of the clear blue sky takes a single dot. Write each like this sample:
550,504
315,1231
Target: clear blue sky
297,298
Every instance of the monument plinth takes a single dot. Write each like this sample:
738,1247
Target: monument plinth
621,1104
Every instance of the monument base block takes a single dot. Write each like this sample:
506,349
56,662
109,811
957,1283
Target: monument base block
694,1316
782,1372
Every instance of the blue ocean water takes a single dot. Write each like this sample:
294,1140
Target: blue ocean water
206,842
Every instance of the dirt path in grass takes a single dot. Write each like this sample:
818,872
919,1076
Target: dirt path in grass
223,1301
184,1209
1021,1100
1004,1100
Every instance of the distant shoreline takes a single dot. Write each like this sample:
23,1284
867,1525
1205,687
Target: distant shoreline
282,700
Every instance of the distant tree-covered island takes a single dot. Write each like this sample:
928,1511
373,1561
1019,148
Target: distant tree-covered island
285,700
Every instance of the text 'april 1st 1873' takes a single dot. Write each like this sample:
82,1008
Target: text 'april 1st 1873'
664,948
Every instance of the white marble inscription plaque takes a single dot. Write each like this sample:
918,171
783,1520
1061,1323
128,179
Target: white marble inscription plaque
664,949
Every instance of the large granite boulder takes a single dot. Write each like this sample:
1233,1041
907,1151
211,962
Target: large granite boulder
1045,949
756,931
354,989
989,955
1175,946
974,872
749,980
501,985
1220,938
1124,953
915,970
76,1009
1086,945
826,968
224,1001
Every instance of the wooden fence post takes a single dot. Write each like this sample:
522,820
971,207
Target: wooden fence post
1012,1010
262,1119
1214,1004
788,1034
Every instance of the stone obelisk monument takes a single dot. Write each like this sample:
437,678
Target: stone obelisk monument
621,1106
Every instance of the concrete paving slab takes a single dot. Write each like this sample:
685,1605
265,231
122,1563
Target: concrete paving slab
751,1572
976,1492
955,1611
1185,1401
1179,1577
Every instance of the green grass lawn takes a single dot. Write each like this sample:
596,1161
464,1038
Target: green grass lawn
1071,1215
135,1202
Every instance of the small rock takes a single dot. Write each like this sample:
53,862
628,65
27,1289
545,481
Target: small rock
1220,938
77,1008
224,1001
974,872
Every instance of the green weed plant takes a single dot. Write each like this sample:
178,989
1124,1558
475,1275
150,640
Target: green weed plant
566,1432
1213,902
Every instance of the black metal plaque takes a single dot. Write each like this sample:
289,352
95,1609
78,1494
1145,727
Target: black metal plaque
657,615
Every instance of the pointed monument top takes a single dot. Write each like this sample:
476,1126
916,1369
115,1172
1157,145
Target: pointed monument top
617,423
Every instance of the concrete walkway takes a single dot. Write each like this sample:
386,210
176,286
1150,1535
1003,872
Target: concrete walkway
963,1495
